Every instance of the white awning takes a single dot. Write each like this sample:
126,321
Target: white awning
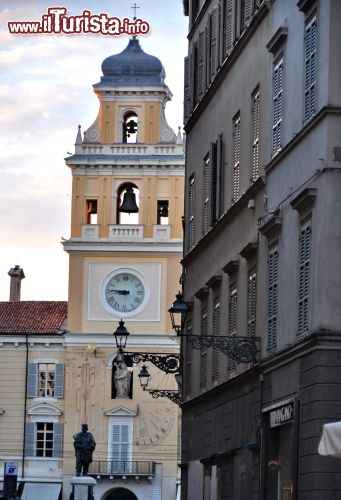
40,491
330,443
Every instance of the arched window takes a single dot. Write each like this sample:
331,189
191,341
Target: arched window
130,127
128,204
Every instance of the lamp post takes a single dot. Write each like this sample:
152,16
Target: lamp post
121,335
173,395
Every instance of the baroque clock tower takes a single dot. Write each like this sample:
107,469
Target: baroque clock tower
124,263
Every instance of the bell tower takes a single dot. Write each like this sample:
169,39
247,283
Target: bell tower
127,192
125,250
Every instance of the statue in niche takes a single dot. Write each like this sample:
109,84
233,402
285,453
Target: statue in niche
122,378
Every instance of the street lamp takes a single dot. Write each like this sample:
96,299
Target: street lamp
239,349
178,312
173,395
121,336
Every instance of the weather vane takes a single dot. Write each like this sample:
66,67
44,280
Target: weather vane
135,6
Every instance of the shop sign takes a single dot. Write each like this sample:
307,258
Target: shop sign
282,414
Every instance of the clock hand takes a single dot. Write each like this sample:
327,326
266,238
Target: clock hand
120,292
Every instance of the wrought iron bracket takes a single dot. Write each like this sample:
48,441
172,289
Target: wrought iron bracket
169,363
239,349
174,396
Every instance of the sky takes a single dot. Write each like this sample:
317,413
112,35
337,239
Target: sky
45,92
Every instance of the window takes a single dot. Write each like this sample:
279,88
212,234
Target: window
44,439
277,93
45,380
46,376
310,69
232,325
228,26
189,352
191,212
91,211
120,446
255,134
304,278
206,192
213,45
162,212
201,67
251,304
236,158
203,352
216,331
272,298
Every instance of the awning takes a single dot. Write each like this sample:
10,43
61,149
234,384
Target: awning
330,443
37,491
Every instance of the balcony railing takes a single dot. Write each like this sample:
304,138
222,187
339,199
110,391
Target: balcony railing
114,468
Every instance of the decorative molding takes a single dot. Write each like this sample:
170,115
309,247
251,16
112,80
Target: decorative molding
272,226
122,411
250,250
231,267
44,409
305,5
202,293
278,39
215,281
304,201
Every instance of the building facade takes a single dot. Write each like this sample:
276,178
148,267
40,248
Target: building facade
124,253
262,249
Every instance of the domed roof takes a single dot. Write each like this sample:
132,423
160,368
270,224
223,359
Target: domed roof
132,67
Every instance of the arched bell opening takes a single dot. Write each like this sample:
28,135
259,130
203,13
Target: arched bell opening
128,204
129,127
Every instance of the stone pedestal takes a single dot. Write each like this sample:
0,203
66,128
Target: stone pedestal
82,488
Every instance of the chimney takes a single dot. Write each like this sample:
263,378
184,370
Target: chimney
17,274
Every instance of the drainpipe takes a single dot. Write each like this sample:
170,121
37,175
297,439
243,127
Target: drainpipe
25,410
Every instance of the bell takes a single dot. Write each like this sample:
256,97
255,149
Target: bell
129,202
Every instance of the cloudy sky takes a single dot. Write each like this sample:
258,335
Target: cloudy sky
45,92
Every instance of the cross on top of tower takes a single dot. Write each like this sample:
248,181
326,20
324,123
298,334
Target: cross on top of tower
135,6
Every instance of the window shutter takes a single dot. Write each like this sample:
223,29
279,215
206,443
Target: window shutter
213,43
201,65
228,27
59,383
120,442
187,88
310,69
57,440
304,279
272,299
203,352
214,185
220,176
32,380
247,12
30,439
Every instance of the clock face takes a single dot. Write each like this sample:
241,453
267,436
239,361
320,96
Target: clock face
125,291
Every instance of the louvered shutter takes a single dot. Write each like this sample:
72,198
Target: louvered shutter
214,50
120,442
203,352
201,64
304,279
32,380
187,88
228,27
272,299
30,439
220,176
59,381
247,12
57,440
310,69
252,304
277,106
236,159
214,185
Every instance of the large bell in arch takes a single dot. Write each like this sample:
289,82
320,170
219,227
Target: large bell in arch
129,205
